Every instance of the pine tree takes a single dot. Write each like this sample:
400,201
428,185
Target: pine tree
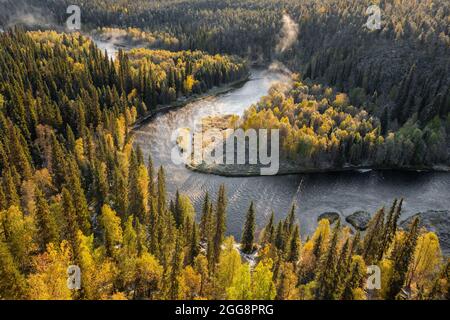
58,163
151,178
402,256
290,221
327,269
47,230
12,285
71,222
73,182
178,210
220,222
387,237
373,239
162,197
174,290
194,249
249,230
10,190
269,231
279,236
294,248
354,278
342,266
205,219
138,191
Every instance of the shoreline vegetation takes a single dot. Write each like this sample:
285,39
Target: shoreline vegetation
184,101
321,131
248,170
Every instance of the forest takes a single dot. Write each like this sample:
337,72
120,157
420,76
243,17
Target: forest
321,129
398,74
76,191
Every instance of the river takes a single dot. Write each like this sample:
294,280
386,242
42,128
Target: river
313,194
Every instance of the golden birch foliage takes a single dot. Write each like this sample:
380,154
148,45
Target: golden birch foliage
427,257
241,286
192,282
263,287
18,232
229,264
49,281
97,274
110,223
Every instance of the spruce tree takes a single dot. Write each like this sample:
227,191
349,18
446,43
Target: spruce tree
162,196
175,288
220,222
373,239
354,278
402,256
248,235
12,284
47,230
151,178
327,268
269,230
193,244
204,220
71,221
294,248
73,182
279,237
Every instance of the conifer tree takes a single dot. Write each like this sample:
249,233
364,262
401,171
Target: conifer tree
249,230
47,230
402,256
174,290
294,248
354,278
73,182
327,269
373,239
71,222
279,236
10,190
269,230
151,178
205,219
162,197
13,285
194,249
220,222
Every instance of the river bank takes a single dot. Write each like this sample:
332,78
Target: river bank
247,170
183,101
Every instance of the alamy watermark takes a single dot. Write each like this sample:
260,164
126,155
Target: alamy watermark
74,277
374,278
374,19
259,148
73,22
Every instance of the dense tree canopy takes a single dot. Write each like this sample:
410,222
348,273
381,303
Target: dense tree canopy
74,190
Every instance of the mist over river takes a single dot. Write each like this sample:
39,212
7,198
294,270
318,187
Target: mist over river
344,192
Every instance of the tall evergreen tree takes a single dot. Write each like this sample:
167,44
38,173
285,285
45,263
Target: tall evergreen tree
248,234
294,248
220,223
327,268
47,230
401,257
269,230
